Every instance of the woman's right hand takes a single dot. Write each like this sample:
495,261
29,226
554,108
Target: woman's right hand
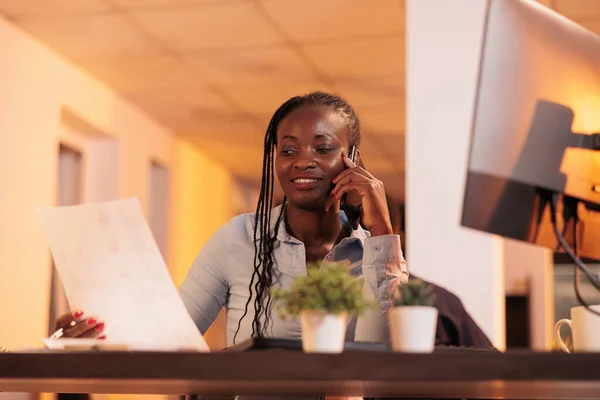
76,325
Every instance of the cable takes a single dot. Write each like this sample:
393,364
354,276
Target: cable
569,213
544,198
580,266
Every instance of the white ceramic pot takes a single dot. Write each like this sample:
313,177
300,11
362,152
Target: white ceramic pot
322,332
412,328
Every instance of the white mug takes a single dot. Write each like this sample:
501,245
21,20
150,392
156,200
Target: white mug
585,330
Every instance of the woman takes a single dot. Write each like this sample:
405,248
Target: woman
306,144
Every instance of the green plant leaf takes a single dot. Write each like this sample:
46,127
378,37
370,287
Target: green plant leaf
414,293
328,287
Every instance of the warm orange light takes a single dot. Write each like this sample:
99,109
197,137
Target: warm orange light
587,112
582,165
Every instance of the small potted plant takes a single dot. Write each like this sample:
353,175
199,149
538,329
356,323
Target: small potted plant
412,317
323,299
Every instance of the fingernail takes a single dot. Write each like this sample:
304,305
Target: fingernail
91,321
78,313
100,326
103,337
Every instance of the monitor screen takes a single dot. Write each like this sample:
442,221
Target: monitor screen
536,110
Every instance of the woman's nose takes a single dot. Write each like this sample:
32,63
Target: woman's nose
305,160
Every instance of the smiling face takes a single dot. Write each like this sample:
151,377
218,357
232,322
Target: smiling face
310,141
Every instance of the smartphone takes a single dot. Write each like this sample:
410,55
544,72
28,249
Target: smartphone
350,203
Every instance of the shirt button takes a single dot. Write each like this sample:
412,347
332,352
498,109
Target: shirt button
377,248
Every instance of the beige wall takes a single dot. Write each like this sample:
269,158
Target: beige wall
45,100
442,60
530,270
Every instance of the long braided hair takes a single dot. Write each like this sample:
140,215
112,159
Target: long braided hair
264,237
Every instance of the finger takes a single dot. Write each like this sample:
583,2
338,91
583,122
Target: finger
348,179
347,161
350,171
341,175
352,186
94,332
67,319
330,202
352,177
81,328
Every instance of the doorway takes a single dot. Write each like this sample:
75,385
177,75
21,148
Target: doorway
70,183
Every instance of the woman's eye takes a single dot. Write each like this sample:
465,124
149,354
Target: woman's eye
287,151
324,150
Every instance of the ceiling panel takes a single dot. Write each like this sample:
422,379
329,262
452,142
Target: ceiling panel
208,26
315,20
547,3
228,128
256,66
183,97
578,9
371,157
243,160
392,145
592,25
264,100
389,121
18,8
162,4
372,93
163,55
198,112
143,74
359,59
89,36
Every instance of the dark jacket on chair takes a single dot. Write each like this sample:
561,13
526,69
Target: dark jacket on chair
455,327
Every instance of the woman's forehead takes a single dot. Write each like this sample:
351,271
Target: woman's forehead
312,122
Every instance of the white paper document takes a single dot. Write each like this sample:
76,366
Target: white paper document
111,268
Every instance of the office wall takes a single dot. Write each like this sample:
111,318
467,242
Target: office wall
45,100
442,53
530,271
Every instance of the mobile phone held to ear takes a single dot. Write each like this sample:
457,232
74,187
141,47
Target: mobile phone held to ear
351,202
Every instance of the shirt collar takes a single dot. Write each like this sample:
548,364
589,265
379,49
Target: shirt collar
283,236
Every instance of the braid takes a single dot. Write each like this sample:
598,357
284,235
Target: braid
264,237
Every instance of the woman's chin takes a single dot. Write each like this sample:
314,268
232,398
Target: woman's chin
311,203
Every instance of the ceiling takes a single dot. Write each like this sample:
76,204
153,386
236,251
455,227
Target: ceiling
215,70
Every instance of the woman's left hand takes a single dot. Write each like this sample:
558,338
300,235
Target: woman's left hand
375,215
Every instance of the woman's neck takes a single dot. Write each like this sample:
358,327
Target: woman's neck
313,227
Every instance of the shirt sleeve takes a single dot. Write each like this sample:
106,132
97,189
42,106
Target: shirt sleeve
384,267
205,288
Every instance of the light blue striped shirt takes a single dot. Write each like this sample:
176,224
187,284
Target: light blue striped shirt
223,269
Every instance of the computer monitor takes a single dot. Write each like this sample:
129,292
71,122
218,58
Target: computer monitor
536,111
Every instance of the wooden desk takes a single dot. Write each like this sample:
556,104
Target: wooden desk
275,372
